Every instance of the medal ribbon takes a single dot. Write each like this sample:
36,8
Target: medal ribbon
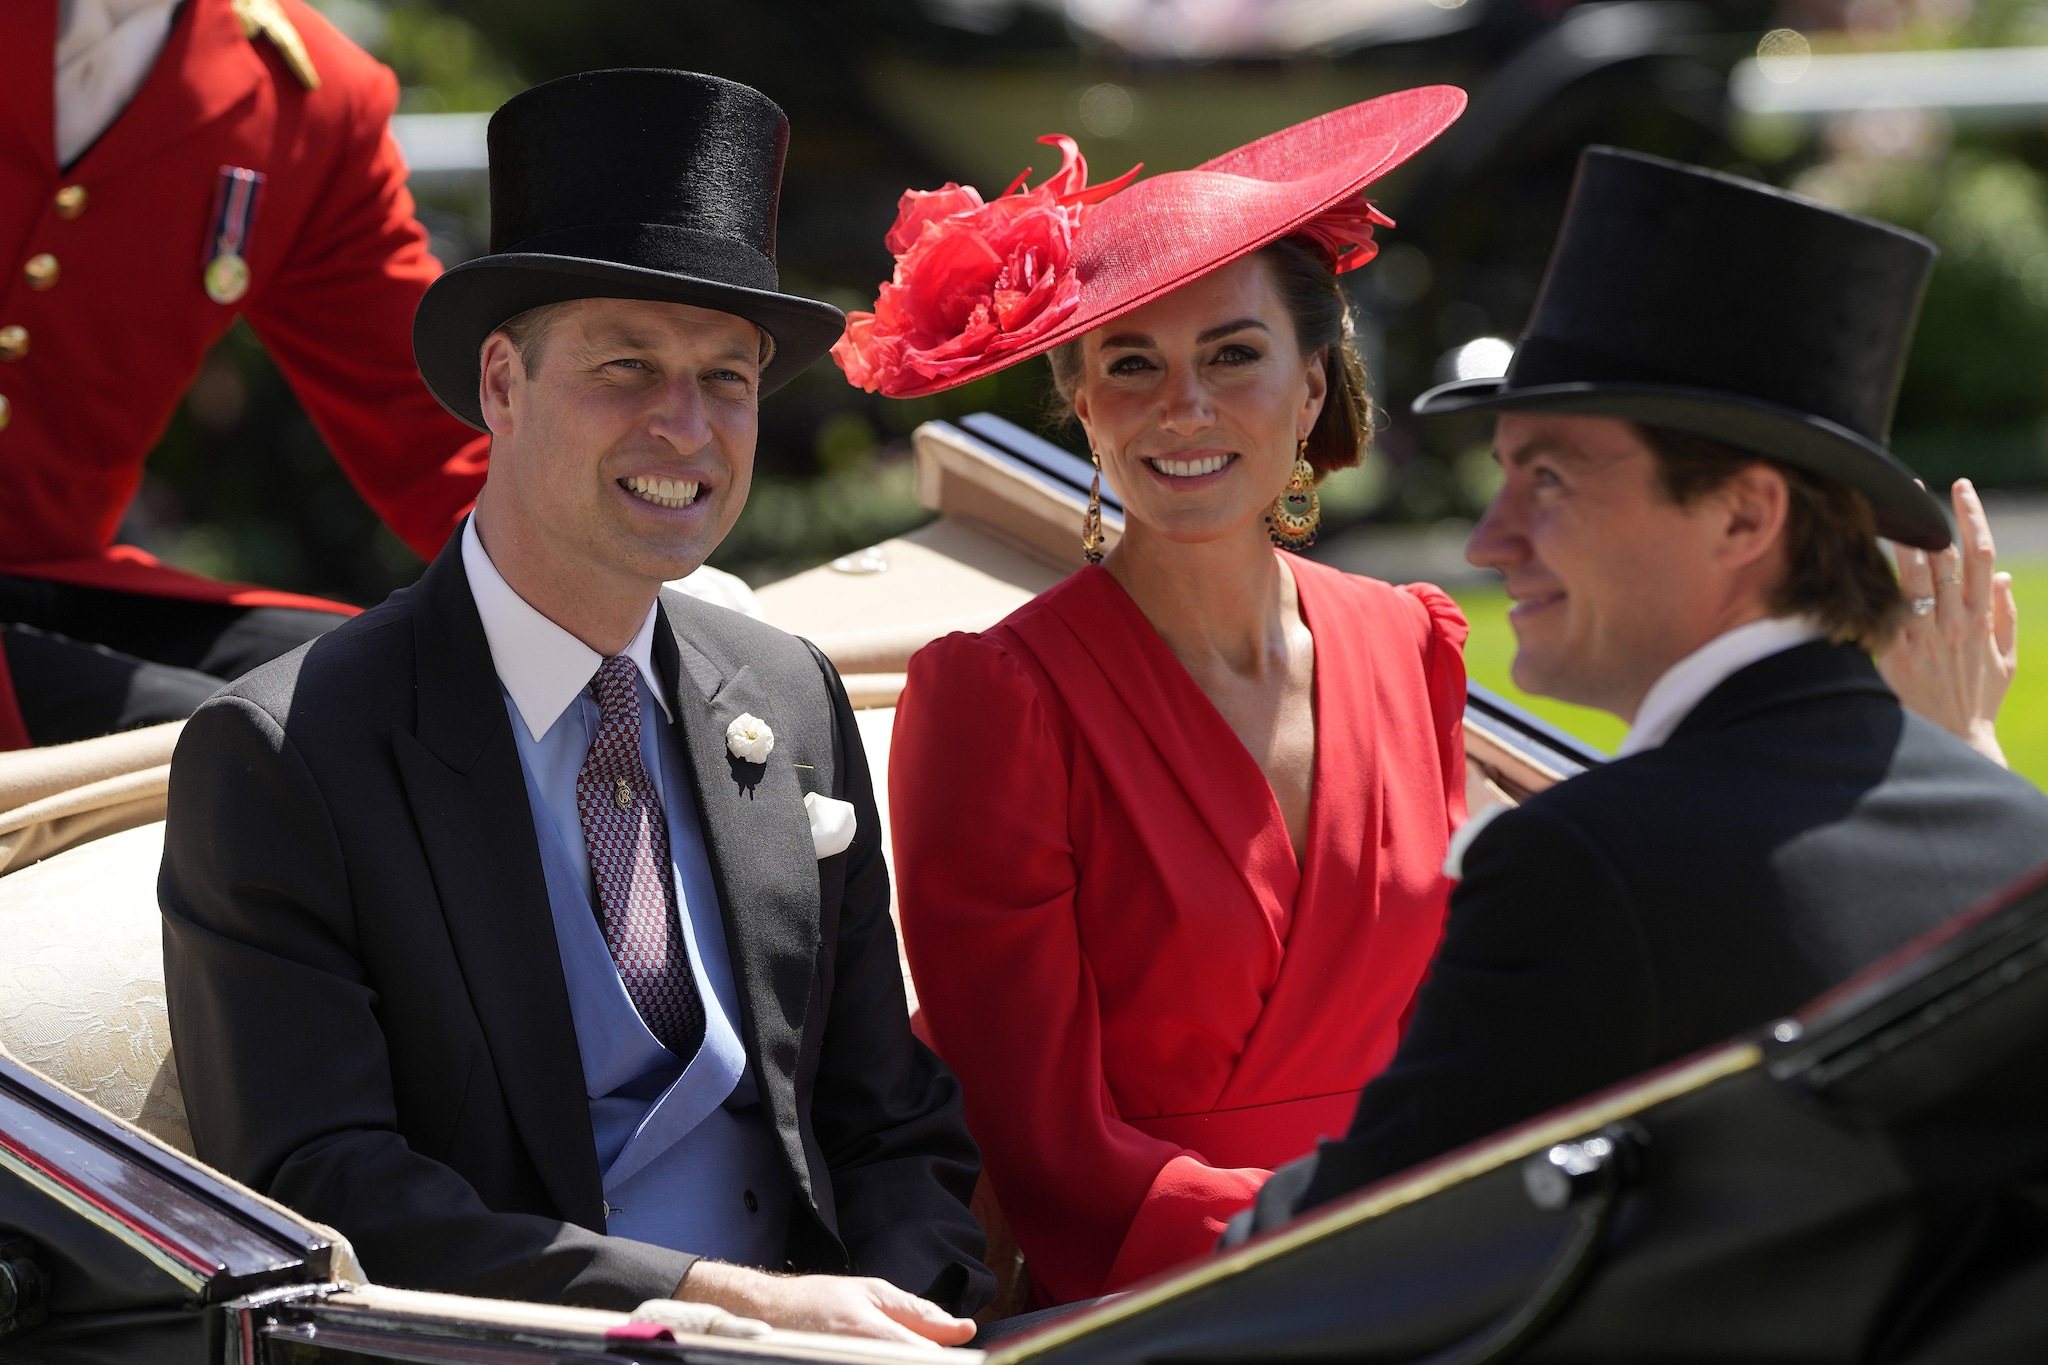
234,208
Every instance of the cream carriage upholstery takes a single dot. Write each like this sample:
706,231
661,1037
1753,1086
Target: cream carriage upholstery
69,794
81,973
82,979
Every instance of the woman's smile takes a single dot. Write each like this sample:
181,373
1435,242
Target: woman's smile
1191,468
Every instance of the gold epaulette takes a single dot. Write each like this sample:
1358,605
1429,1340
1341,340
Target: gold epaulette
267,18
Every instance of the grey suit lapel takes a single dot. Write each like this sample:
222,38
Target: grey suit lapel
468,795
758,836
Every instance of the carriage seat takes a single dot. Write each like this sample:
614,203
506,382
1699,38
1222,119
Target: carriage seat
82,979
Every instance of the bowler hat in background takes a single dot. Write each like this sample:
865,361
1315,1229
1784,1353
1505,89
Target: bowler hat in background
630,184
1682,298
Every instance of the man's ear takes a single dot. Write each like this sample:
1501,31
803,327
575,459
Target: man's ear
499,370
1756,504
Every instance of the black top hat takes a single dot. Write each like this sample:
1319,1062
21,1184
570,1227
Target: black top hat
1687,299
638,184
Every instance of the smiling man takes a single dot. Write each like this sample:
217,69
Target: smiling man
1692,437
532,929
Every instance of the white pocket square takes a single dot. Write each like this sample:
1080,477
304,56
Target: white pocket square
832,823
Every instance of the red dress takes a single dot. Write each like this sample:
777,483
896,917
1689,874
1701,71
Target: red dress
1148,1003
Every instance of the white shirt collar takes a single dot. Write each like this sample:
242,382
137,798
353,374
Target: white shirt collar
1686,683
542,666
105,50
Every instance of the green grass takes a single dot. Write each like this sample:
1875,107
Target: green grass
2022,725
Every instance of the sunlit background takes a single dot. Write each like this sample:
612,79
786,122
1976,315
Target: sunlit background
1930,113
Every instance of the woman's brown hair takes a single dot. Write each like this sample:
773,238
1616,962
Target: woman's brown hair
1322,322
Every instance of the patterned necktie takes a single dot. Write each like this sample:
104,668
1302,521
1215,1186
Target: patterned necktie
624,829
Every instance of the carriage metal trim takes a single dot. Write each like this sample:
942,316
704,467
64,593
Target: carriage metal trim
1561,1125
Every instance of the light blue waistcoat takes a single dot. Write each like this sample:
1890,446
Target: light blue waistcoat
688,1158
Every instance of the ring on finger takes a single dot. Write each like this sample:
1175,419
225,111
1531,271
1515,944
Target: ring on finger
1923,606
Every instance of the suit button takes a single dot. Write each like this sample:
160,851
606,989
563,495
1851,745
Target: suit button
753,1204
40,271
70,202
13,342
6,411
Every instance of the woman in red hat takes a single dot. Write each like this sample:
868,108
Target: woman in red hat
1169,837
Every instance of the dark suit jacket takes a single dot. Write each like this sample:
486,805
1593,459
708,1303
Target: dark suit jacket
1797,826
368,1006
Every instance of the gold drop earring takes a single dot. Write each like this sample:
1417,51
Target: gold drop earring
1091,524
1297,511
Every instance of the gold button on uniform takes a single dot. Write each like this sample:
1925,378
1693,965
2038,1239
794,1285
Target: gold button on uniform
6,411
70,201
41,270
13,342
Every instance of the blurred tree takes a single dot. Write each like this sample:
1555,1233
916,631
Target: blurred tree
1975,396
1976,388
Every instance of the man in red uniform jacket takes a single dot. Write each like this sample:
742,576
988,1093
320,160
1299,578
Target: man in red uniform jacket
178,165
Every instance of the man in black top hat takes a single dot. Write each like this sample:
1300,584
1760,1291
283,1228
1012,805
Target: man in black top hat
1692,435
532,928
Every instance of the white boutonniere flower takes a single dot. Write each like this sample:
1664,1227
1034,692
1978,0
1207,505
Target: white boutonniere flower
749,739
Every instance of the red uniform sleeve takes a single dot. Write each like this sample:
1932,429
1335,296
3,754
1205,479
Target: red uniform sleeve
979,791
337,319
1448,630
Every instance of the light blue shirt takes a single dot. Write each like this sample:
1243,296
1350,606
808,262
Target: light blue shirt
689,1160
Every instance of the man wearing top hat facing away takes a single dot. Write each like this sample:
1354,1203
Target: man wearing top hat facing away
532,928
1692,434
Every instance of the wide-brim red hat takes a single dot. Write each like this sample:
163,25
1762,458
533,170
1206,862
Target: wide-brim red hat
980,286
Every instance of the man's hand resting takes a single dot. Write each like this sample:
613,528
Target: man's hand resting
848,1305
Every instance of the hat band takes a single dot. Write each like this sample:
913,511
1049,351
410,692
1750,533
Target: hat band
658,246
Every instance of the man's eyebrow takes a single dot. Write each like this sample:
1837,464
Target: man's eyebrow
1218,333
1529,450
622,338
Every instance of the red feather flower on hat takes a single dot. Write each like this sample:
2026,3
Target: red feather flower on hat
974,280
1344,234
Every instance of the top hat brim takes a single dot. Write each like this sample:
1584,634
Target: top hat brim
1906,512
466,304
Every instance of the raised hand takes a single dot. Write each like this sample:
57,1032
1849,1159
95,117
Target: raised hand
1959,649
